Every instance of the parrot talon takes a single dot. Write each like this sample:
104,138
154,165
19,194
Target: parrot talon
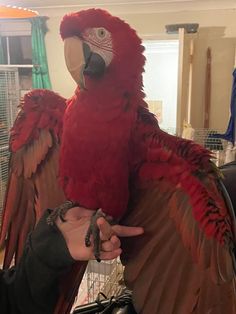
60,212
98,259
87,237
94,231
62,218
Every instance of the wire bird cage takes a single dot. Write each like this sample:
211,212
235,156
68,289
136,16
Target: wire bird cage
222,151
9,101
105,277
219,147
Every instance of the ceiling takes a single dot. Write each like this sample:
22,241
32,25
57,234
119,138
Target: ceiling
129,5
38,3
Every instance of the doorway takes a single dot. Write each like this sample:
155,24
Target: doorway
161,80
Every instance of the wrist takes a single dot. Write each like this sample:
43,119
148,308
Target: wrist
49,244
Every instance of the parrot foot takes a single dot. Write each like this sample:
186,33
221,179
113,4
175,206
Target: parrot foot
60,211
94,231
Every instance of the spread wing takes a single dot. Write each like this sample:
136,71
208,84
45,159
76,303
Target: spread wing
33,168
184,263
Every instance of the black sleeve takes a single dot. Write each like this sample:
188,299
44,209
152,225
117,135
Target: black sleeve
229,172
32,286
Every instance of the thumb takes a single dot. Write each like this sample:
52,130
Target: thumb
78,212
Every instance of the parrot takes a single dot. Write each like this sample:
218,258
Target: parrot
104,150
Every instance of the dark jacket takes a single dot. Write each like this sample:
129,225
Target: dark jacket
32,286
229,171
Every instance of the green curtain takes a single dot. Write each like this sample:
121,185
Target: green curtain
1,52
40,74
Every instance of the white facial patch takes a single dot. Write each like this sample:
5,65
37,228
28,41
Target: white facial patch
100,42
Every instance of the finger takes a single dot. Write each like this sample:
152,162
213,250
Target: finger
115,241
111,245
125,231
107,246
110,255
105,229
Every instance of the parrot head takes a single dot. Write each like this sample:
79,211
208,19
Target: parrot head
101,48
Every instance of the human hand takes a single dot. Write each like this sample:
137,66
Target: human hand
75,229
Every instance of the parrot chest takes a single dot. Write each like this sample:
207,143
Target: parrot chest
94,159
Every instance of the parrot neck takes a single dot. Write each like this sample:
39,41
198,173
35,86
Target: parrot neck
108,95
114,84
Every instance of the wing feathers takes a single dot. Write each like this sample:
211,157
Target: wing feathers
36,152
33,169
19,223
151,233
49,193
14,188
160,267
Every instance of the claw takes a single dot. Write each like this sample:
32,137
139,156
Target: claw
60,212
94,231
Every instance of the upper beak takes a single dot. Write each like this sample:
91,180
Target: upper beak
80,61
75,59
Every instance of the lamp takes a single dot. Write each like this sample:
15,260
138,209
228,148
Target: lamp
13,12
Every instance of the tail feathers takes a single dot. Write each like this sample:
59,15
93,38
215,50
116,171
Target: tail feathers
69,288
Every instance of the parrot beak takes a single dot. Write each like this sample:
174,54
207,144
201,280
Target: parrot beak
95,64
75,60
80,61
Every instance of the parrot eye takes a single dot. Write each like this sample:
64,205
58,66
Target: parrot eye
101,32
100,41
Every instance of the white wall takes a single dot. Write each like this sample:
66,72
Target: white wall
60,77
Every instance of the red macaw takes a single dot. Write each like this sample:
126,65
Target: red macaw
114,156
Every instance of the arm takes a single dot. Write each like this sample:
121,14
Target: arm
32,287
229,172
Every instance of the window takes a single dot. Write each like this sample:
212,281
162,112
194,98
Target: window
15,80
17,51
